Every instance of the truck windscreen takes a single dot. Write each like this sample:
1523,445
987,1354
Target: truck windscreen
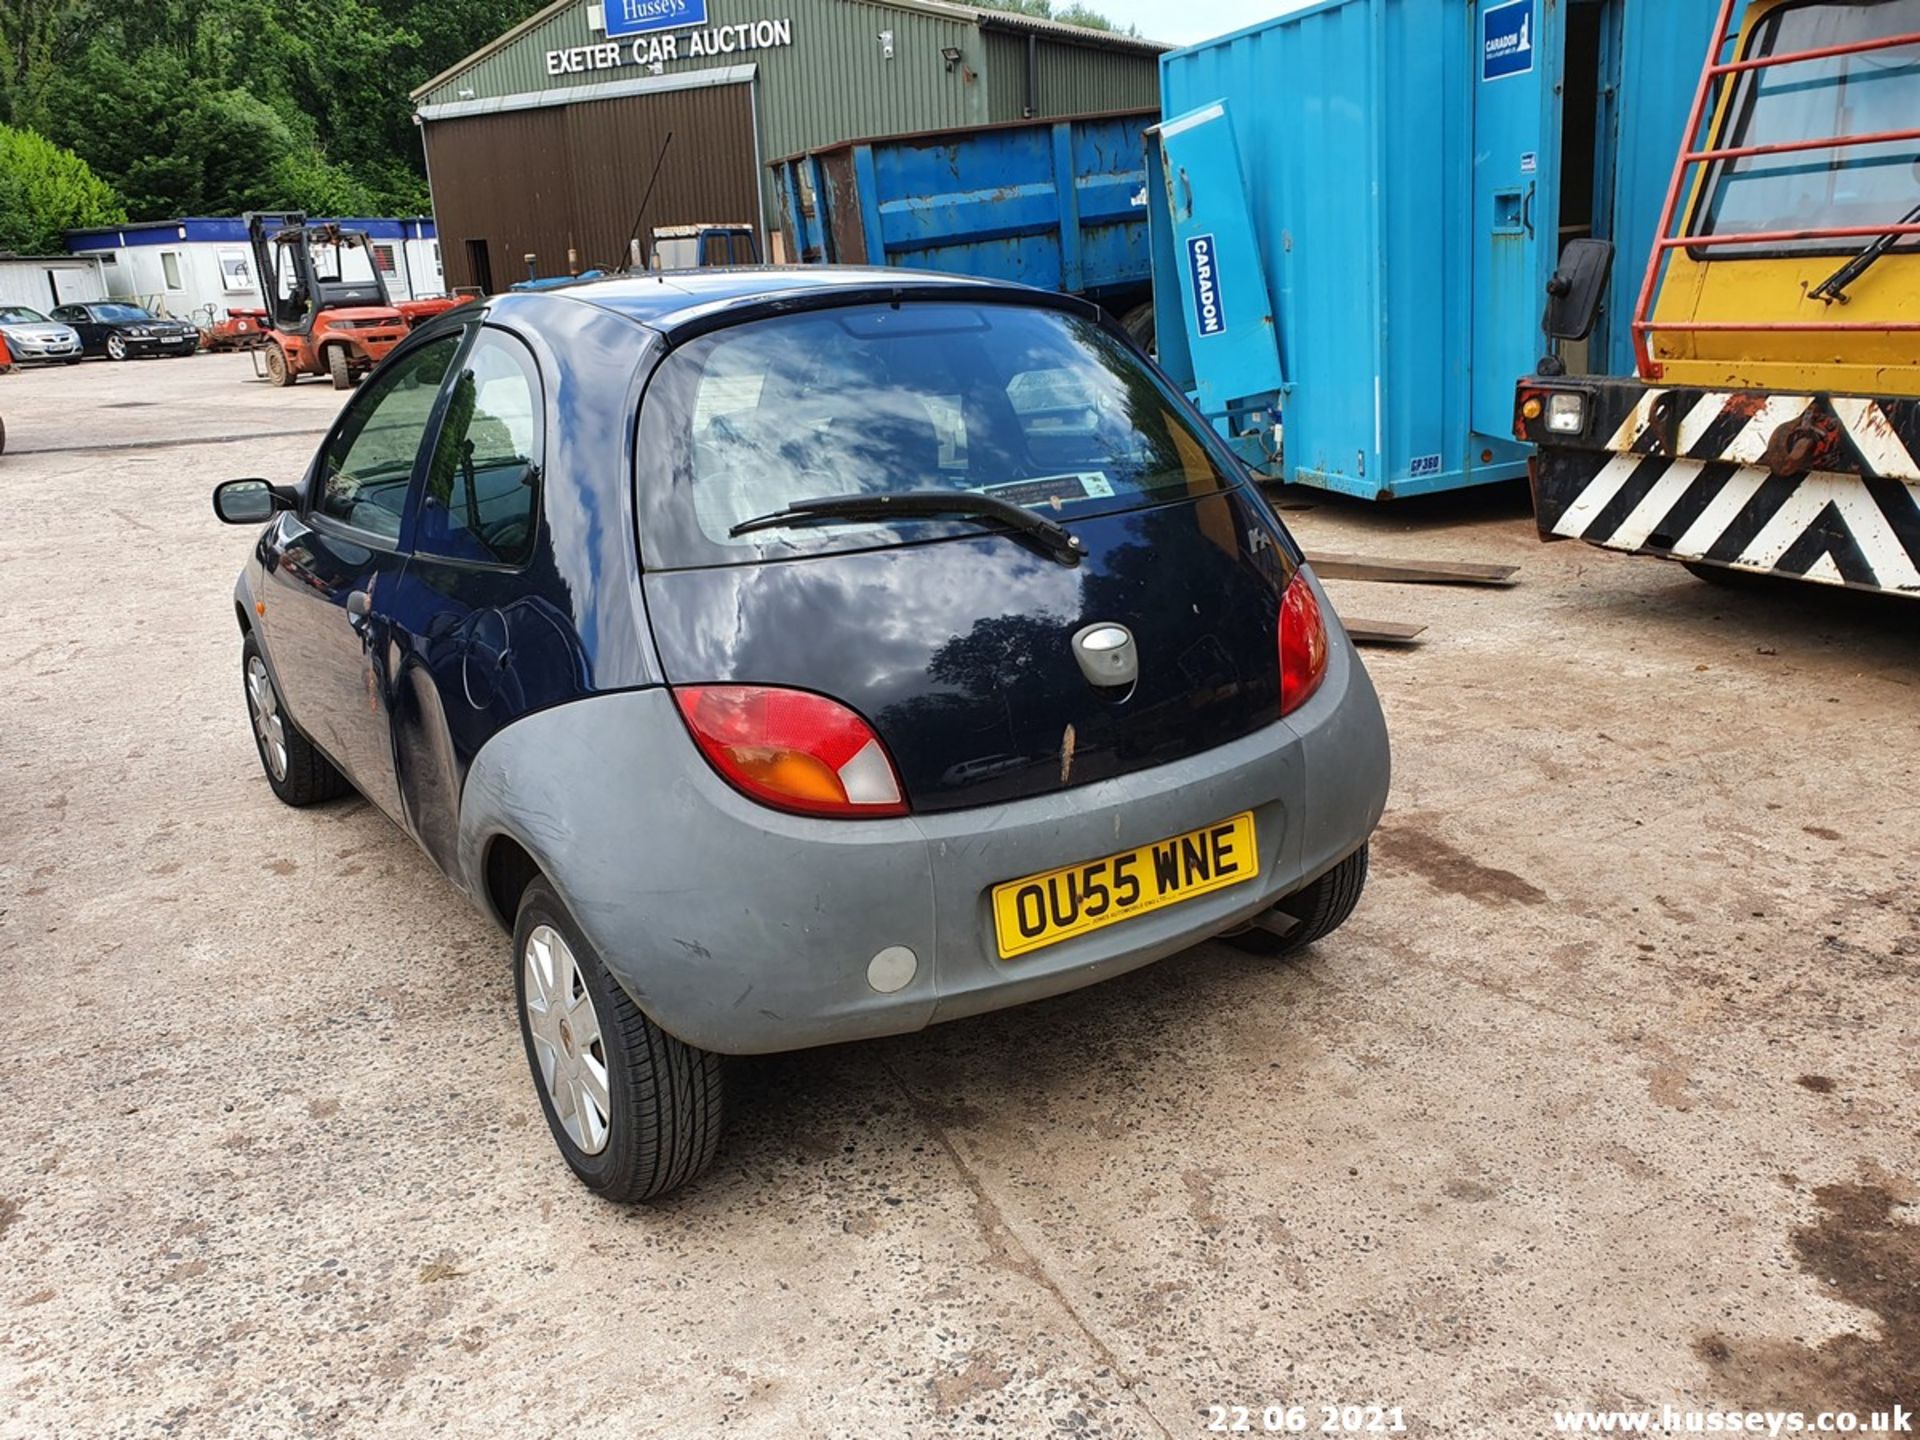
1865,93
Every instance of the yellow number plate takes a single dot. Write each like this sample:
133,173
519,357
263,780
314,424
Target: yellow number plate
1043,910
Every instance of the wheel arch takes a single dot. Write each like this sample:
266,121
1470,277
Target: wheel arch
506,870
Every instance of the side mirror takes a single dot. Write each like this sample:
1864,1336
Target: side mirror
1576,289
250,502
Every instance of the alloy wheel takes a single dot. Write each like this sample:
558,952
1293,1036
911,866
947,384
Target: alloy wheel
269,726
567,1042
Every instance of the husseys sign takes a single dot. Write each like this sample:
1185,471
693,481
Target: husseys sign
659,32
636,17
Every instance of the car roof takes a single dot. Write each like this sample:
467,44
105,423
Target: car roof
684,303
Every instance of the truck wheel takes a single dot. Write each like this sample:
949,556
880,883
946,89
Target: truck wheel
635,1112
1317,911
279,372
299,774
338,368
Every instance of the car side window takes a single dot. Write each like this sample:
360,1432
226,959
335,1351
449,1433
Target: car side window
481,498
368,462
68,314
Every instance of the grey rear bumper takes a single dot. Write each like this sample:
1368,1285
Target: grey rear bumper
744,930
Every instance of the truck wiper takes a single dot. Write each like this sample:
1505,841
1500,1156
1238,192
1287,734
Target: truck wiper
1834,287
1051,537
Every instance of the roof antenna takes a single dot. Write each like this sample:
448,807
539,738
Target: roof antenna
634,234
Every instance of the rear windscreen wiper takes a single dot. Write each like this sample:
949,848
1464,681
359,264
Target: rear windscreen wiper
1050,536
1834,287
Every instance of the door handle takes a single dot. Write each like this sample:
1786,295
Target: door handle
1526,212
358,604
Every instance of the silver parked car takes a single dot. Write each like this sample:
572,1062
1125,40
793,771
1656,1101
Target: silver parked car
32,336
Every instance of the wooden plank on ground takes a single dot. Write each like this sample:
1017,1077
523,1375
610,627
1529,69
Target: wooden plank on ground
1332,565
1382,632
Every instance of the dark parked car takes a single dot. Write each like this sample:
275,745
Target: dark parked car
788,658
120,331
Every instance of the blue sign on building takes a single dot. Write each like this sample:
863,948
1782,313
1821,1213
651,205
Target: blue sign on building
1203,267
1506,40
636,17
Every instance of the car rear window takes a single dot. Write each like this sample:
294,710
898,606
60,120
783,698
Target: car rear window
1035,406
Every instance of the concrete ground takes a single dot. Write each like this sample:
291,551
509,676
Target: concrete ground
1608,1095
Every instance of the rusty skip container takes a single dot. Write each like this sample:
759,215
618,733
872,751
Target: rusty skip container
1058,204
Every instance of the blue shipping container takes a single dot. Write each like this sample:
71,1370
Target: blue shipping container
1380,189
1053,203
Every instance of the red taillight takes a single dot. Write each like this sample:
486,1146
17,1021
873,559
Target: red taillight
1303,644
792,750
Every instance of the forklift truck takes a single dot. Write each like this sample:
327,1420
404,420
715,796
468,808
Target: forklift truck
328,311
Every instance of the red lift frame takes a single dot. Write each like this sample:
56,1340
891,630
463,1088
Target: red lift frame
1665,241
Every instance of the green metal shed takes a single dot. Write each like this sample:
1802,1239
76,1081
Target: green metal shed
544,141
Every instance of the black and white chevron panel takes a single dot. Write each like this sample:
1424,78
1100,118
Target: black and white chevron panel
1680,475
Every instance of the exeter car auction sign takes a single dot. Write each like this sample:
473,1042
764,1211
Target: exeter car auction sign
651,47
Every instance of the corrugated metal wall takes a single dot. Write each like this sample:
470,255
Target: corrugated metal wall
1074,79
836,80
541,181
1081,79
1006,74
833,83
30,282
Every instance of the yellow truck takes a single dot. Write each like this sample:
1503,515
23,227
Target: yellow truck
1773,424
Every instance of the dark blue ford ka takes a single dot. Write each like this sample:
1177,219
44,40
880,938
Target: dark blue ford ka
792,656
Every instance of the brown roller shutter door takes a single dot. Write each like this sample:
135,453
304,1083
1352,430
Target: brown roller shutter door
572,176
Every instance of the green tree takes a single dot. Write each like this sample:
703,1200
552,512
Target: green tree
36,38
45,190
226,105
219,106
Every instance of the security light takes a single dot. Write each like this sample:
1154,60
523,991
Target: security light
951,54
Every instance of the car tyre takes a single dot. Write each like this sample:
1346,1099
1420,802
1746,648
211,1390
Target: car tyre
1317,910
299,774
75,360
636,1113
279,372
116,348
338,368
